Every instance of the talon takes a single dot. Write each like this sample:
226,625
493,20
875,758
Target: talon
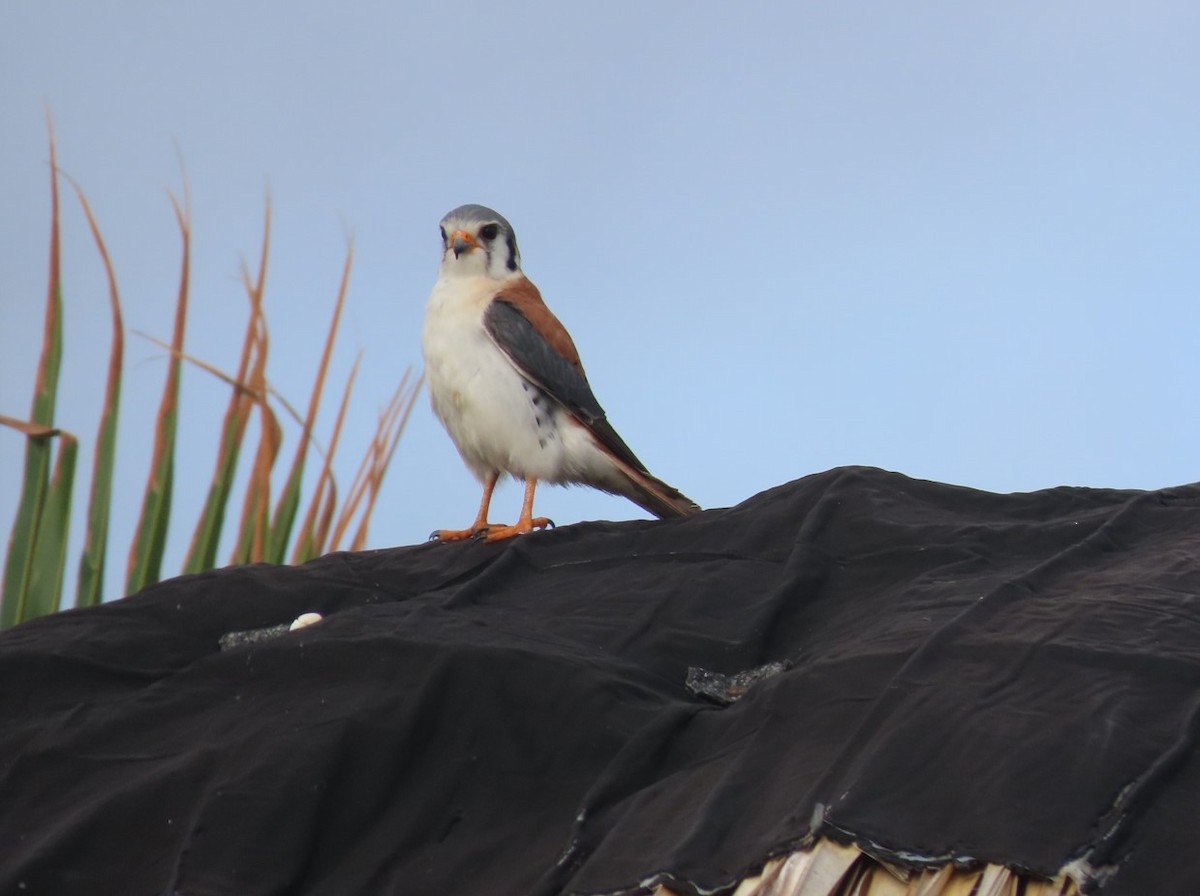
522,526
481,529
479,526
448,535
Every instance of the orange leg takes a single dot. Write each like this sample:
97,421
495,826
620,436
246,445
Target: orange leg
527,523
480,525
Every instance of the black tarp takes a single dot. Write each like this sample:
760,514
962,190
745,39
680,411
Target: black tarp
1008,678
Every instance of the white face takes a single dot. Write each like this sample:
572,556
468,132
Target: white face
478,249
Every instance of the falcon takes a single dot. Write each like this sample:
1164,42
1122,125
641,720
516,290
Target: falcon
506,381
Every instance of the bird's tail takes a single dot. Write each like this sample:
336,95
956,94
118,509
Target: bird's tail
655,496
633,480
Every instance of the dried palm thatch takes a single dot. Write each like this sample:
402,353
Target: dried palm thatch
832,869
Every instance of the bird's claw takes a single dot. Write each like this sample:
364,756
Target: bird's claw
491,531
446,535
521,527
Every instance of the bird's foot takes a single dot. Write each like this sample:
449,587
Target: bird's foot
492,531
459,534
520,527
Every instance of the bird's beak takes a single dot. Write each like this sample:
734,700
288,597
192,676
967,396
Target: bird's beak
461,241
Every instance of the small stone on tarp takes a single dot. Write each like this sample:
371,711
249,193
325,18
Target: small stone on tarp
257,635
231,640
725,689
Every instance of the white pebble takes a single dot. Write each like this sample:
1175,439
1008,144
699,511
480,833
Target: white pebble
304,619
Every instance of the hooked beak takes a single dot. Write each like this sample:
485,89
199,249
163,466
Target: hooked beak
461,241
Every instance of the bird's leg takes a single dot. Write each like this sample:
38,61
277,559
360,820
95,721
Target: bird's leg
480,526
527,522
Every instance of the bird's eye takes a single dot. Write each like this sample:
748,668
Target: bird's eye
489,231
442,231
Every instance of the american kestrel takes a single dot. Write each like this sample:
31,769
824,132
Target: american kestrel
505,380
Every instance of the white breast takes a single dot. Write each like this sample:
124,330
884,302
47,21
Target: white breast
498,421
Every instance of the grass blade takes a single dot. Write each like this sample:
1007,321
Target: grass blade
307,543
50,554
145,555
375,462
28,427
289,498
90,589
202,553
255,525
403,406
22,542
254,528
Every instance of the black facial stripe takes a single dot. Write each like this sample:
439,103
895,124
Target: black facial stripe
512,249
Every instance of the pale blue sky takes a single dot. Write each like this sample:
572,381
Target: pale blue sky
953,240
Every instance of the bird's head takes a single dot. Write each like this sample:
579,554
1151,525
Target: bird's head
478,241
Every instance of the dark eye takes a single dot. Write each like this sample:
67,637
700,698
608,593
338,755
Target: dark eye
442,231
489,231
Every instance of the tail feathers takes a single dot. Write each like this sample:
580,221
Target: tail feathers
660,499
655,496
632,479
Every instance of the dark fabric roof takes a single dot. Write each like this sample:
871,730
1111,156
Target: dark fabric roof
1011,678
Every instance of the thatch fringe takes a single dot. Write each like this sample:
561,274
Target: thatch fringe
831,869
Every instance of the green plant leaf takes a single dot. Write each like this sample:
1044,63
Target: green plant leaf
145,555
22,542
202,554
289,497
50,553
90,588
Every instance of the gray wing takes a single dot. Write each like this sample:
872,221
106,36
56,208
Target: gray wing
518,338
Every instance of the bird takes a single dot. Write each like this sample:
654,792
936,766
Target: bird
506,382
